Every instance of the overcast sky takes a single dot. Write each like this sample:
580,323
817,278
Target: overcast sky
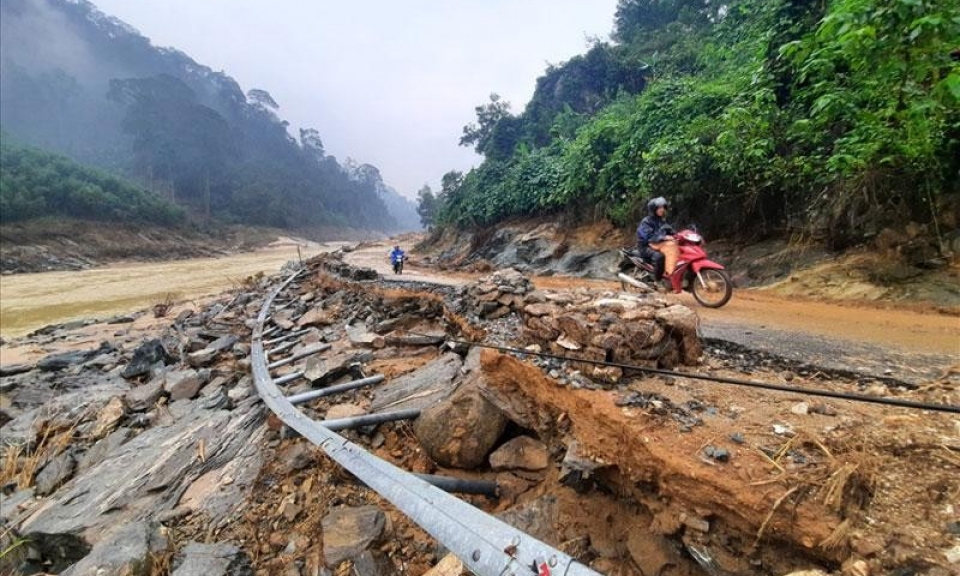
390,83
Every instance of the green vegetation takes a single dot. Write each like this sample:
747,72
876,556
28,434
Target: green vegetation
35,184
756,117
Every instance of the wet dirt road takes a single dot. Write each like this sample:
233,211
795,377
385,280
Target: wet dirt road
31,301
911,346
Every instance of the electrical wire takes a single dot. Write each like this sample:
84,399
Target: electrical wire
950,408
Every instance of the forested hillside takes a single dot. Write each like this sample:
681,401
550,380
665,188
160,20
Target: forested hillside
755,117
35,183
78,82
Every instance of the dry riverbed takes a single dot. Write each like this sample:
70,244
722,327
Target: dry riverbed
31,301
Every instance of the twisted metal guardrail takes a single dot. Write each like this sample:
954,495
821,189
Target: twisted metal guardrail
486,546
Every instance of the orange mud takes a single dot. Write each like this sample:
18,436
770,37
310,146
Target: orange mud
866,472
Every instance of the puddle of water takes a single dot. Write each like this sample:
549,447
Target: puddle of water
31,301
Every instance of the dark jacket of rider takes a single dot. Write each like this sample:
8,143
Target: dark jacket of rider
652,229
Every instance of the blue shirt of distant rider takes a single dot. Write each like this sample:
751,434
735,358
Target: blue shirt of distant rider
396,255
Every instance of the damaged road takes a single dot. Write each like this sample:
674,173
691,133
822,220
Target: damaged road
904,345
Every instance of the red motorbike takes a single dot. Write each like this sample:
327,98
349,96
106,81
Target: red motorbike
706,279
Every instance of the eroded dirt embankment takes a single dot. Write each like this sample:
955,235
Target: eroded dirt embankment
904,268
61,245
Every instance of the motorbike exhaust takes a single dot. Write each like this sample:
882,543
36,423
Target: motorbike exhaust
632,281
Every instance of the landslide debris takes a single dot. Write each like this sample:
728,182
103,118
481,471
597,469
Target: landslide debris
154,451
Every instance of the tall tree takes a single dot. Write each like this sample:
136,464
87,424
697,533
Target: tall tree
492,134
311,143
426,206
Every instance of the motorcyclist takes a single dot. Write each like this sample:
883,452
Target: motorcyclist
655,239
396,255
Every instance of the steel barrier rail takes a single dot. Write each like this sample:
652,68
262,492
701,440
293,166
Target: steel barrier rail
486,546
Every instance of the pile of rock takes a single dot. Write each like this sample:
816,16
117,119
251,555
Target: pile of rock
334,264
497,295
644,330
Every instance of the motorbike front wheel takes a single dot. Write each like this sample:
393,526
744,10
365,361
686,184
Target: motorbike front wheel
715,289
398,267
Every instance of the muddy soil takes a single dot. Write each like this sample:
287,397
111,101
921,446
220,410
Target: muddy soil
912,342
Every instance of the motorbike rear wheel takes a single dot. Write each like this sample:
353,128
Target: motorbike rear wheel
715,290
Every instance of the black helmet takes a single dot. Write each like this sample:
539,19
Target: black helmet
658,202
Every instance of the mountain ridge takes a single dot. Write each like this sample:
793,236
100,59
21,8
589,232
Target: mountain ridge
79,82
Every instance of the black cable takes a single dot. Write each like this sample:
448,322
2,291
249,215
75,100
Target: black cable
951,408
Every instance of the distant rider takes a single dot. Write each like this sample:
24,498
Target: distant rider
396,255
655,239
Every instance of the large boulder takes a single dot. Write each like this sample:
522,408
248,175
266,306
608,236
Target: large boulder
109,418
143,397
62,360
522,452
683,323
184,384
460,431
349,531
149,354
218,559
131,550
421,388
55,473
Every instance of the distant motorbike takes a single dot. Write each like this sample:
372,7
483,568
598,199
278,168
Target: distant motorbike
707,280
398,264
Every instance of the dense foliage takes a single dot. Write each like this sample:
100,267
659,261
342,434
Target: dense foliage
35,183
754,116
76,81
